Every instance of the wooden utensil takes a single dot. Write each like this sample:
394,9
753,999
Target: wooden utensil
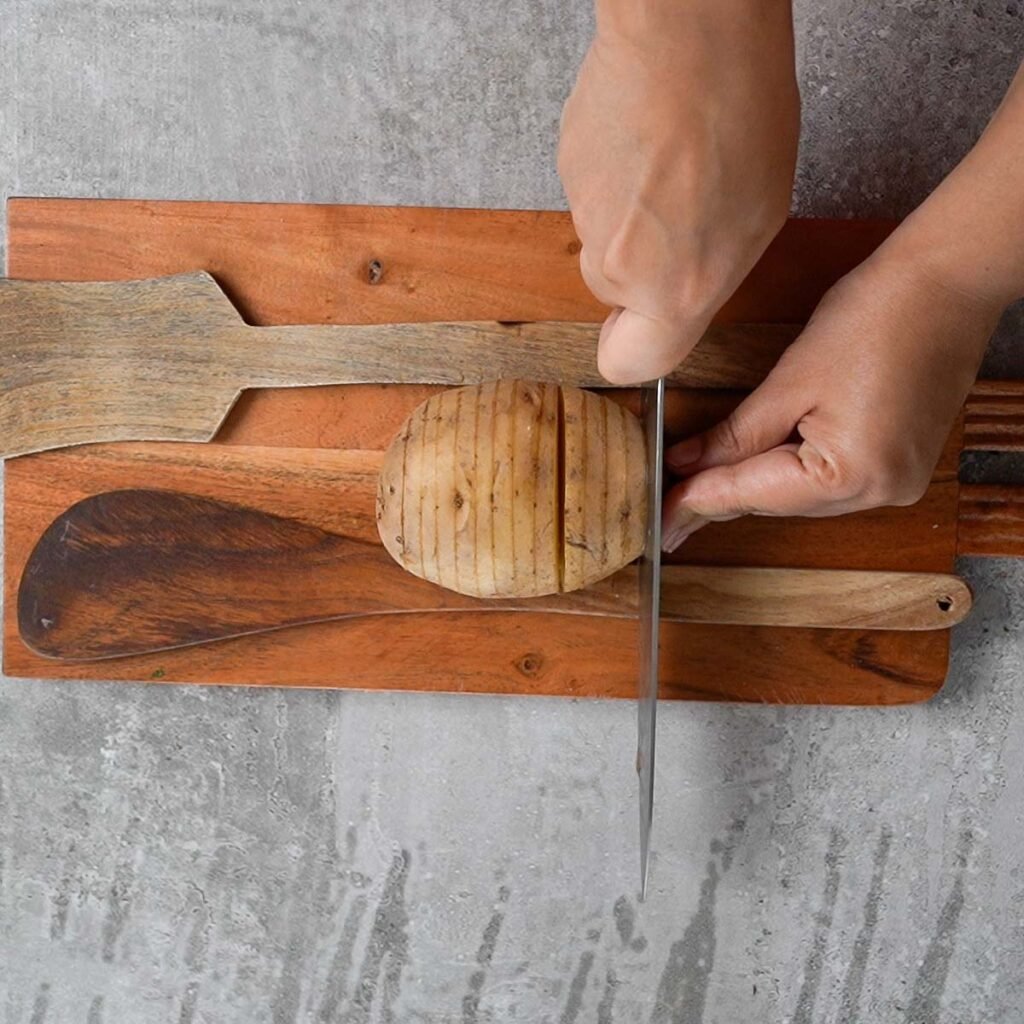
134,571
166,359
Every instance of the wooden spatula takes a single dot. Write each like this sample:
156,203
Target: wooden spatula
165,359
134,571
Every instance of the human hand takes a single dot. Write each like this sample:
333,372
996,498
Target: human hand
855,414
677,155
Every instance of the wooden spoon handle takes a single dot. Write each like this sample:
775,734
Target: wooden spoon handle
135,571
821,598
166,359
728,356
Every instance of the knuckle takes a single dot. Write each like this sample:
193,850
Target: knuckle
590,269
587,260
900,475
909,496
714,494
696,291
731,437
685,285
884,487
899,483
594,279
870,480
617,263
637,252
840,479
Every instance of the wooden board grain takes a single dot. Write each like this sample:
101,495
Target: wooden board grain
524,653
295,264
289,264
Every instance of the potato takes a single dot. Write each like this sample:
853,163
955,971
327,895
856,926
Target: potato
604,489
514,489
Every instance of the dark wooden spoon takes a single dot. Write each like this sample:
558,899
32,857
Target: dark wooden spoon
135,571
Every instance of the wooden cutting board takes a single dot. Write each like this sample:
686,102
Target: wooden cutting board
281,450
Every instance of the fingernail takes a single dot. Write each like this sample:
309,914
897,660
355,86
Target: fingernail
684,454
673,539
686,523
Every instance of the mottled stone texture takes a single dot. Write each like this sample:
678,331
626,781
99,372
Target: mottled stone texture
190,854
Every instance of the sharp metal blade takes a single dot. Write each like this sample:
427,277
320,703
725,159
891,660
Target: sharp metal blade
649,606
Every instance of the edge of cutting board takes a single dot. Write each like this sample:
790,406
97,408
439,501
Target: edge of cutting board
287,263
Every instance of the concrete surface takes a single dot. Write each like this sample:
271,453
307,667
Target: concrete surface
188,854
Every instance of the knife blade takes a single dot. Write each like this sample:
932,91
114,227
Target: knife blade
649,603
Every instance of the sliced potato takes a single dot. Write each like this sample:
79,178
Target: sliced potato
605,497
514,489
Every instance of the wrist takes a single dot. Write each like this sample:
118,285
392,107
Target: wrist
966,271
933,304
969,233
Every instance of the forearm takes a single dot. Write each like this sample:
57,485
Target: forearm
969,234
728,26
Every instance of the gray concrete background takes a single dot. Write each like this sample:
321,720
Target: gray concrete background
191,854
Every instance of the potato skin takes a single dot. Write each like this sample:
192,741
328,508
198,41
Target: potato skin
514,489
604,490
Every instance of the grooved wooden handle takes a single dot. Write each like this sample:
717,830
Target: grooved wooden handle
991,521
991,516
994,417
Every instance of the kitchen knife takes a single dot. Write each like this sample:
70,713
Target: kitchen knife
649,618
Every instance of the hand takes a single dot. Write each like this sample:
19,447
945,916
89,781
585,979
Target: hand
855,414
677,154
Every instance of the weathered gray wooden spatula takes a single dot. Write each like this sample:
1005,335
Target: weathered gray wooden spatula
165,359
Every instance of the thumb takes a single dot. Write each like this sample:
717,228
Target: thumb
765,419
791,480
634,347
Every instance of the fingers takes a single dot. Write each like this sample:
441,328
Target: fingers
764,420
634,348
790,480
744,464
739,462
